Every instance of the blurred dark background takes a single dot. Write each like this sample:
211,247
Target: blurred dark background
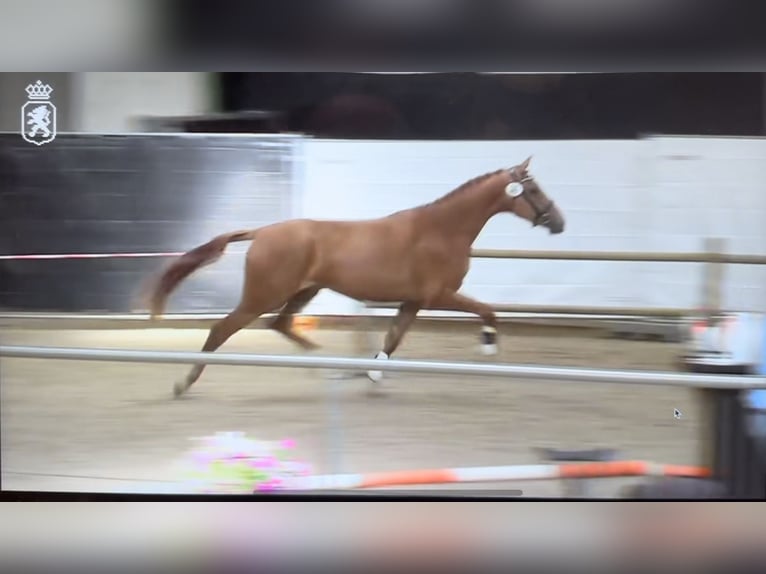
629,42
495,106
511,35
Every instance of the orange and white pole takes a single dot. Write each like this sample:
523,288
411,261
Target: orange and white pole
494,474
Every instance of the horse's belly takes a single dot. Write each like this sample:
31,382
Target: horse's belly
379,265
372,283
380,294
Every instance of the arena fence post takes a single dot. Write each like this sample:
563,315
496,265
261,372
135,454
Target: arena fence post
714,247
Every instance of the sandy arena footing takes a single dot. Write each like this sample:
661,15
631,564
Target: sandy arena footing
114,427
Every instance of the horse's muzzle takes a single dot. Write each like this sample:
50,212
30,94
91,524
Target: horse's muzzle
550,218
554,228
553,221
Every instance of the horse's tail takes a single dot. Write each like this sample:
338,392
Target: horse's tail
187,264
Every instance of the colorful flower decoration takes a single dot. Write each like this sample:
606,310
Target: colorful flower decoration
231,463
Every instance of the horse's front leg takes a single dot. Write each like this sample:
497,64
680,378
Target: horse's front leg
452,301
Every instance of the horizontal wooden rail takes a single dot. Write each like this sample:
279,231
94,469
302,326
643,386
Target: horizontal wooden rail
621,256
711,257
647,256
671,312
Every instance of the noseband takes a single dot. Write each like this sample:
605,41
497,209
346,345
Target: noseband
542,214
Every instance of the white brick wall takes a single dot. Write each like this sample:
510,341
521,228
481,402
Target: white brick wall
664,194
708,187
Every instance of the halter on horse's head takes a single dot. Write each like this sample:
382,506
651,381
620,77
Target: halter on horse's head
525,198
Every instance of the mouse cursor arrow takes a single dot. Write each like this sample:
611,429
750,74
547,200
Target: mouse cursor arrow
677,414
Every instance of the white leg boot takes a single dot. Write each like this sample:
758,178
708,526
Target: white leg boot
377,376
488,340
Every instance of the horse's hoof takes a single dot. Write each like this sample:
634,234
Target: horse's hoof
179,389
377,376
489,350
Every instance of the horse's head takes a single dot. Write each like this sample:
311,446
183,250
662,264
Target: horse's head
524,198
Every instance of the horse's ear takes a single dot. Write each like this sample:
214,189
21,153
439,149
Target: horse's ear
525,164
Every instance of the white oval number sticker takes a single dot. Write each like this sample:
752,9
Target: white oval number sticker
514,189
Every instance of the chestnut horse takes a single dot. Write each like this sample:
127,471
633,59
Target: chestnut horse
417,257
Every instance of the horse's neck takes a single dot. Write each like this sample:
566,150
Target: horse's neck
464,216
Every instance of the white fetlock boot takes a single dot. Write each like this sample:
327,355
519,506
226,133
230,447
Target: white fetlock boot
488,341
377,376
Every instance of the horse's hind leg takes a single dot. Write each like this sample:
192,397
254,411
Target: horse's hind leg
399,327
283,322
218,335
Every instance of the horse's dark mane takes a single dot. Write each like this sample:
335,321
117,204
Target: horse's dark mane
465,187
